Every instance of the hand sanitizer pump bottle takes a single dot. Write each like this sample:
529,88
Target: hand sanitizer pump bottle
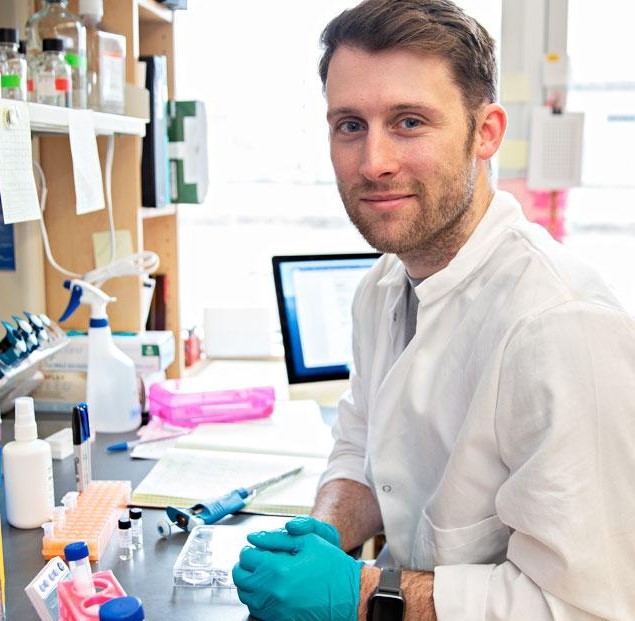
28,471
112,389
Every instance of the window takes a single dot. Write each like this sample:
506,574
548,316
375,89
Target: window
601,214
272,190
602,49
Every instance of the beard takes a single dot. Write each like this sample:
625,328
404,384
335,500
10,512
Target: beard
434,227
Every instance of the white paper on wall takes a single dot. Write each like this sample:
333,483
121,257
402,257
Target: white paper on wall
89,188
555,150
17,184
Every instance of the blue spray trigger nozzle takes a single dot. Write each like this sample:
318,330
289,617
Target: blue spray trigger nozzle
75,300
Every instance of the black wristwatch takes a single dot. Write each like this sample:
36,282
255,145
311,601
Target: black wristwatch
387,602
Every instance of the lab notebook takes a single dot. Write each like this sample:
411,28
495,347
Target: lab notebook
186,476
217,458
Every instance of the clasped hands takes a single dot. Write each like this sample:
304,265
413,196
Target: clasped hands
298,573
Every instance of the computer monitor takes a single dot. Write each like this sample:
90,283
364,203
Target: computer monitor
315,295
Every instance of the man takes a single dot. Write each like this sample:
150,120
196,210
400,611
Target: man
490,428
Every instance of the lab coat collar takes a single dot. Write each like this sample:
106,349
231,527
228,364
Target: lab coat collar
503,211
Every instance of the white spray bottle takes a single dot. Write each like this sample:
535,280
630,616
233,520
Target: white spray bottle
112,390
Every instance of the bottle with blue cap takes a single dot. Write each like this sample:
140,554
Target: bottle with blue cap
111,383
127,608
76,555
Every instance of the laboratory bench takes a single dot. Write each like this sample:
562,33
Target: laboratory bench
149,574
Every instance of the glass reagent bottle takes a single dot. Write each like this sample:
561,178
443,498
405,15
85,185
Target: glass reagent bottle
12,66
53,80
55,21
106,58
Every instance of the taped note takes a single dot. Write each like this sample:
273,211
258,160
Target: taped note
515,88
513,154
89,188
17,184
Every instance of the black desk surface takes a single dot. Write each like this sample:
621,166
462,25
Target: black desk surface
148,575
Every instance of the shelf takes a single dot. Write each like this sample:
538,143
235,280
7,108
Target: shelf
152,11
157,212
54,120
17,376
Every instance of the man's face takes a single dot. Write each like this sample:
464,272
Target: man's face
400,147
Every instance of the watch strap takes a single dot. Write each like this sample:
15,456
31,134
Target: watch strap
390,580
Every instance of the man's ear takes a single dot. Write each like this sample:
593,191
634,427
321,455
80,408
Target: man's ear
490,130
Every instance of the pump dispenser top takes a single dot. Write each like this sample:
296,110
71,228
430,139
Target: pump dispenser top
25,425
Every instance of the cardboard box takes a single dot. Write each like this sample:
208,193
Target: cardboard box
187,149
150,351
59,391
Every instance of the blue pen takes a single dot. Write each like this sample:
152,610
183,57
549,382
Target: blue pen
124,446
81,445
216,509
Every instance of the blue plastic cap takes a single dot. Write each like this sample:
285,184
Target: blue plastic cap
76,551
127,608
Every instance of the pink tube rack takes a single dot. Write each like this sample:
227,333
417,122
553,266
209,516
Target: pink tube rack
94,520
74,607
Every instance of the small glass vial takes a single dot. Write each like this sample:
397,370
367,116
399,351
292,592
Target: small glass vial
53,78
126,608
137,528
125,539
76,555
12,66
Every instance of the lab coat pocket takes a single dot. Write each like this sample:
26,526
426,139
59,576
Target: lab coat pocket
482,542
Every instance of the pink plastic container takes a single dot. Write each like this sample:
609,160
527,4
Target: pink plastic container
74,607
184,402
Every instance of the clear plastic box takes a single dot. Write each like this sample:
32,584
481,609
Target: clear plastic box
185,402
206,561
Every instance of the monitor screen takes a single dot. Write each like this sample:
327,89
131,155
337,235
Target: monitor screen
315,295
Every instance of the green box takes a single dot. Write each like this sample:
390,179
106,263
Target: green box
187,149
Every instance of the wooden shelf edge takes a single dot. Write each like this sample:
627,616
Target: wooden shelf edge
157,212
152,11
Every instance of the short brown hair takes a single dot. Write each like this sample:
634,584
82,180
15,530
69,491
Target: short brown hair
435,27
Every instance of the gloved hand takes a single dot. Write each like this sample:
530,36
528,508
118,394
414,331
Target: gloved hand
297,578
304,524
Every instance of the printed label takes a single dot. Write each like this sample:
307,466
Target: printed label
62,85
10,80
112,77
46,86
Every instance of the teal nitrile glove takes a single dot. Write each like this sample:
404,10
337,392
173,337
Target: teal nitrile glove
304,524
297,578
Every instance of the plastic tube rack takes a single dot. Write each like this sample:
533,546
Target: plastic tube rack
74,607
93,519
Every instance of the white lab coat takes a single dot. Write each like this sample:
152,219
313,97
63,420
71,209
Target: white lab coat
501,442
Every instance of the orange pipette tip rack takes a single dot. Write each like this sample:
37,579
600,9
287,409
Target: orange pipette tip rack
93,520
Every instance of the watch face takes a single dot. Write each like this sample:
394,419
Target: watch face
385,607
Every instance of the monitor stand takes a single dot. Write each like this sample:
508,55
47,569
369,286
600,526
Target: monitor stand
326,393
